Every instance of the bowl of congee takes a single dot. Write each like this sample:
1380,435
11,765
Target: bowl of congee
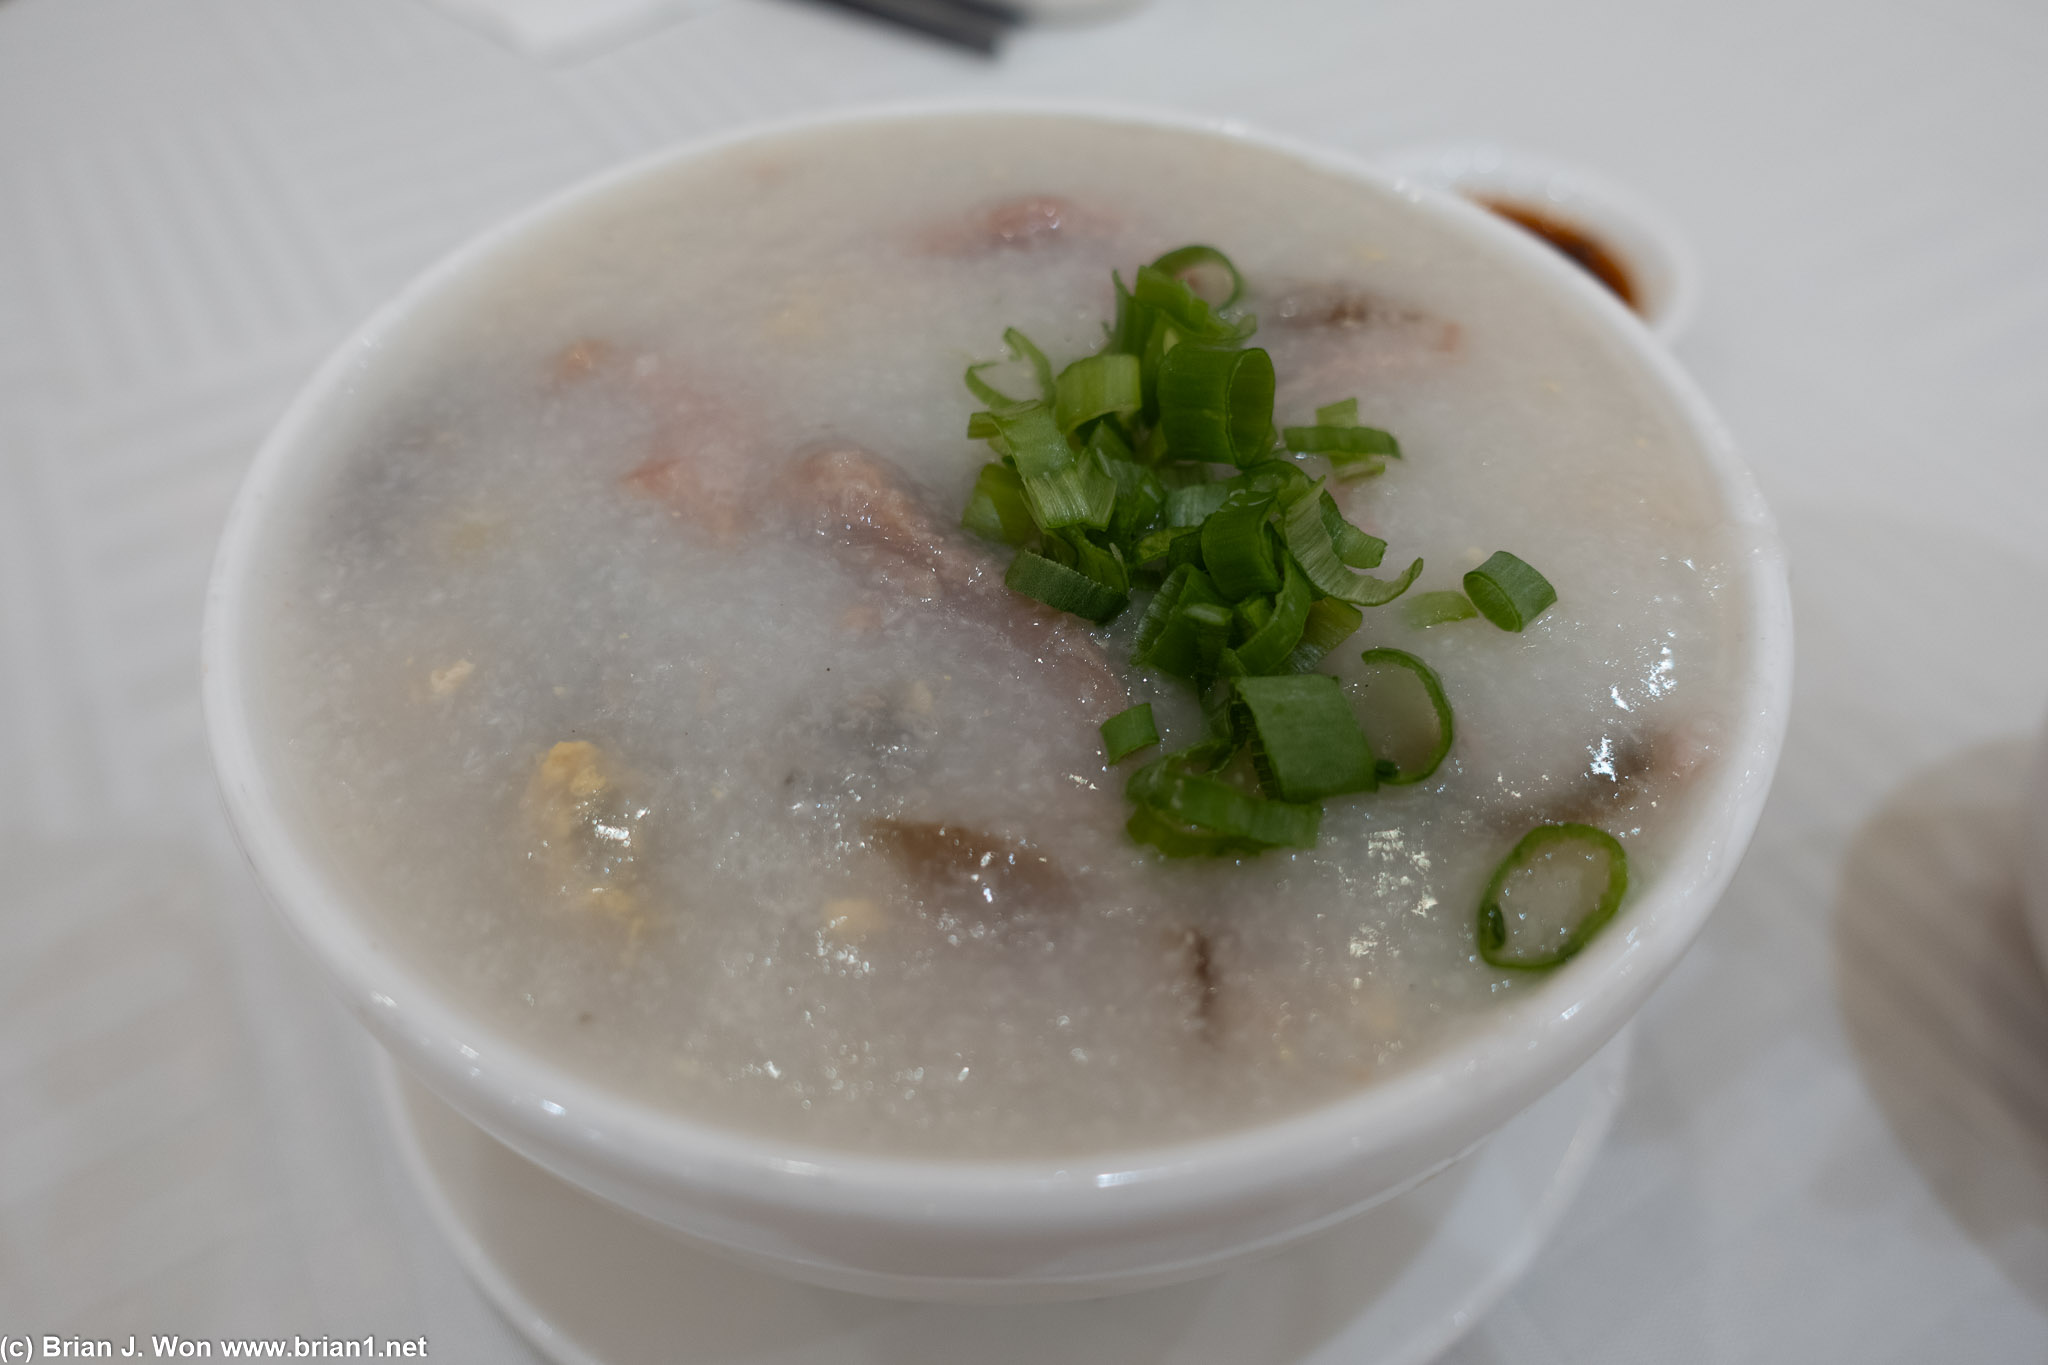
997,703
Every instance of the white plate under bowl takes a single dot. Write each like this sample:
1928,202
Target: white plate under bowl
590,1284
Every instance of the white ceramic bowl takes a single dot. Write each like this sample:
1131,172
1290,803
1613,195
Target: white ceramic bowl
1011,1230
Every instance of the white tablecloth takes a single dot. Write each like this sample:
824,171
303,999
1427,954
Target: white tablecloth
1835,1147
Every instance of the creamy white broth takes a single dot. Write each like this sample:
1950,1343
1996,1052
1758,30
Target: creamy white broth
643,767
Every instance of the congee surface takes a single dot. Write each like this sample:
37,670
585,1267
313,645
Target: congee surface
674,778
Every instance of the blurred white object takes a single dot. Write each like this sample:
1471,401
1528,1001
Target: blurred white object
2034,854
1660,262
569,28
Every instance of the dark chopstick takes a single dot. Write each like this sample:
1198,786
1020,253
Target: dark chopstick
973,24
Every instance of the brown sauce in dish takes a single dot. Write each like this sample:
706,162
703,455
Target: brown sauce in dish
1587,251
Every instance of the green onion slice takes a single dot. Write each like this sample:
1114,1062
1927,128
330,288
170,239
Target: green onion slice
1192,504
1427,609
1330,623
1096,386
1216,406
1351,440
1271,476
1177,545
1236,548
1170,639
1063,489
1402,719
1063,588
1140,495
1179,263
1508,592
1354,547
1082,494
1178,840
1020,346
1271,645
1128,731
1550,895
1354,452
1237,819
1309,540
1306,743
997,509
1343,413
1075,549
1187,312
1033,439
986,392
1133,322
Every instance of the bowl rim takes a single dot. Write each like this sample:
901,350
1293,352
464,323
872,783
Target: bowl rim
543,1109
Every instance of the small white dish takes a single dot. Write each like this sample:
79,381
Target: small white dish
589,1284
1659,261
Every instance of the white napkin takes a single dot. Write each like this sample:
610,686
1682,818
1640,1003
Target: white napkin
568,28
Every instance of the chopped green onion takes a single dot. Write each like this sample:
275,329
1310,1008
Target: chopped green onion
1082,494
1427,609
1330,623
1035,441
1169,639
1140,494
1020,346
1209,625
1273,640
1216,808
1343,413
1270,476
1216,406
997,509
1075,549
1508,592
1180,262
1063,588
1133,323
1128,731
1178,305
1111,478
1062,488
1105,437
1178,840
1095,386
1193,504
1587,865
985,391
1236,549
1177,545
1306,743
1393,773
1309,540
1354,547
1356,441
1354,452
